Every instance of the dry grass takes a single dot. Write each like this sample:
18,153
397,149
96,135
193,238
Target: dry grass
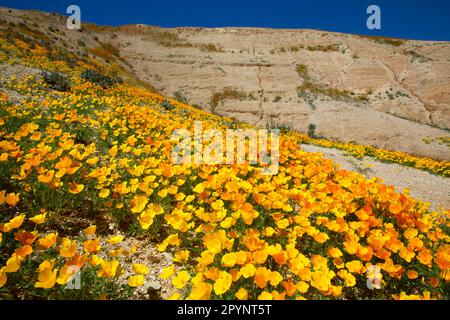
323,48
317,89
226,93
106,51
385,40
302,71
327,48
165,38
333,93
36,34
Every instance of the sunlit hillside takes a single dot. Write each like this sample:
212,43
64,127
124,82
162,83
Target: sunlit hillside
87,183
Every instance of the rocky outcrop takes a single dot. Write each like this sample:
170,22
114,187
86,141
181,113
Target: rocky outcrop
396,94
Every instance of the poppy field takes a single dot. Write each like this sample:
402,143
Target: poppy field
311,231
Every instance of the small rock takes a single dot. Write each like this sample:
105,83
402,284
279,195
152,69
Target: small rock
155,285
167,257
154,259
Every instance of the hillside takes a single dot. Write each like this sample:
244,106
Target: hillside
371,91
388,93
87,184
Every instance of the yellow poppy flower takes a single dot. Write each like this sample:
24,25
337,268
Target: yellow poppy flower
181,256
115,240
334,252
12,224
223,283
75,188
47,275
39,219
202,291
66,274
138,203
229,260
104,193
242,294
2,197
13,263
67,248
136,281
3,277
265,296
140,268
355,266
12,199
167,272
181,279
109,268
90,230
92,245
248,270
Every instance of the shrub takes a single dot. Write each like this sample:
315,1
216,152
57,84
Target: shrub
312,130
302,71
277,98
226,93
166,105
56,81
210,47
272,124
333,93
383,40
327,48
100,79
178,95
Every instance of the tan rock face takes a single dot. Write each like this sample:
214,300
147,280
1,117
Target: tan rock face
407,86
392,94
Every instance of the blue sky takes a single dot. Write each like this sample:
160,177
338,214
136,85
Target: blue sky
413,19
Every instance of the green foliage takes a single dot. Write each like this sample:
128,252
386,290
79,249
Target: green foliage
178,95
415,56
100,79
56,81
166,105
312,130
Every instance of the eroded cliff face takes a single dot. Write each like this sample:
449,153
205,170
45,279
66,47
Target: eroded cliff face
389,93
392,94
